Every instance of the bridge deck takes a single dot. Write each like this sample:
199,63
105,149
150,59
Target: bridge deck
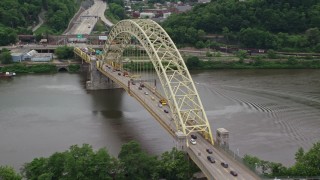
197,152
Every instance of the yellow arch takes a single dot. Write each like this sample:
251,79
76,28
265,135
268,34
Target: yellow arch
184,101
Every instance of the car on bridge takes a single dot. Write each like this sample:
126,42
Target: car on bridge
233,173
211,159
225,165
192,141
209,151
193,136
146,93
166,111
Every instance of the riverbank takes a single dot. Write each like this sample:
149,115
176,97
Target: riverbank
260,64
37,68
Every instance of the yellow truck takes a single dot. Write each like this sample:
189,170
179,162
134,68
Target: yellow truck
163,101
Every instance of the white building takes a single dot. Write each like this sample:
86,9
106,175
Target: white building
147,15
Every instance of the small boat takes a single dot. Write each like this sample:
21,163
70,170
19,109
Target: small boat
7,75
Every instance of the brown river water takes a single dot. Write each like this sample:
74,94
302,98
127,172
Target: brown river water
269,113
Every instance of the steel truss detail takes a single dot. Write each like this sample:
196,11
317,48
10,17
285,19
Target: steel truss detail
183,98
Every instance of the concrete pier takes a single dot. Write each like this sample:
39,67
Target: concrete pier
97,80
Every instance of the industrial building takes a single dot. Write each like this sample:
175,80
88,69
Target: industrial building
20,55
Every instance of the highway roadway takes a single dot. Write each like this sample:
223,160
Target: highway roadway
197,152
88,18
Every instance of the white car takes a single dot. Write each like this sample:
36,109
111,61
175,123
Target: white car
146,93
192,141
160,105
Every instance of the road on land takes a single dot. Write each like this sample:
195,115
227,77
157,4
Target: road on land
88,18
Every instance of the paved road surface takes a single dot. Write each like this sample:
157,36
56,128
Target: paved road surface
86,24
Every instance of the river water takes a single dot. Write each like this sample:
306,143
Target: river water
269,113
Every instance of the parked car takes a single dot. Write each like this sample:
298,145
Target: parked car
209,151
166,111
192,141
233,173
211,159
193,136
225,165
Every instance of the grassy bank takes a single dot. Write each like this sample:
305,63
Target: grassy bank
257,62
261,64
37,68
73,68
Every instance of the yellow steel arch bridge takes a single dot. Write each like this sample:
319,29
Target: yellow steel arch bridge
179,91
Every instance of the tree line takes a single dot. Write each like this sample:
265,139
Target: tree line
82,162
290,25
307,164
18,16
116,10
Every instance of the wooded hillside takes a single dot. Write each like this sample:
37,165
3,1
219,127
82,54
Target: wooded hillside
18,16
270,24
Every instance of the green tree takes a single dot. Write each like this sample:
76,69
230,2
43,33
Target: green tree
307,164
313,36
8,173
5,57
241,54
137,163
200,44
175,164
193,62
272,54
64,52
299,154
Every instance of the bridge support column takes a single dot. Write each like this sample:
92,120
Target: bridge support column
181,141
98,80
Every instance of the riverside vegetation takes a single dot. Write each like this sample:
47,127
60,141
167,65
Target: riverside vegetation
63,52
134,163
85,163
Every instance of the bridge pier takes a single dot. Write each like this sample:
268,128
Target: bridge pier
181,141
97,79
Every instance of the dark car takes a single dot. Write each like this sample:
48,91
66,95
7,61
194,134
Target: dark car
211,159
119,74
225,165
166,111
140,88
234,173
133,83
193,136
209,151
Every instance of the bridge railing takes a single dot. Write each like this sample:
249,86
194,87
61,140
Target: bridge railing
258,173
239,159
